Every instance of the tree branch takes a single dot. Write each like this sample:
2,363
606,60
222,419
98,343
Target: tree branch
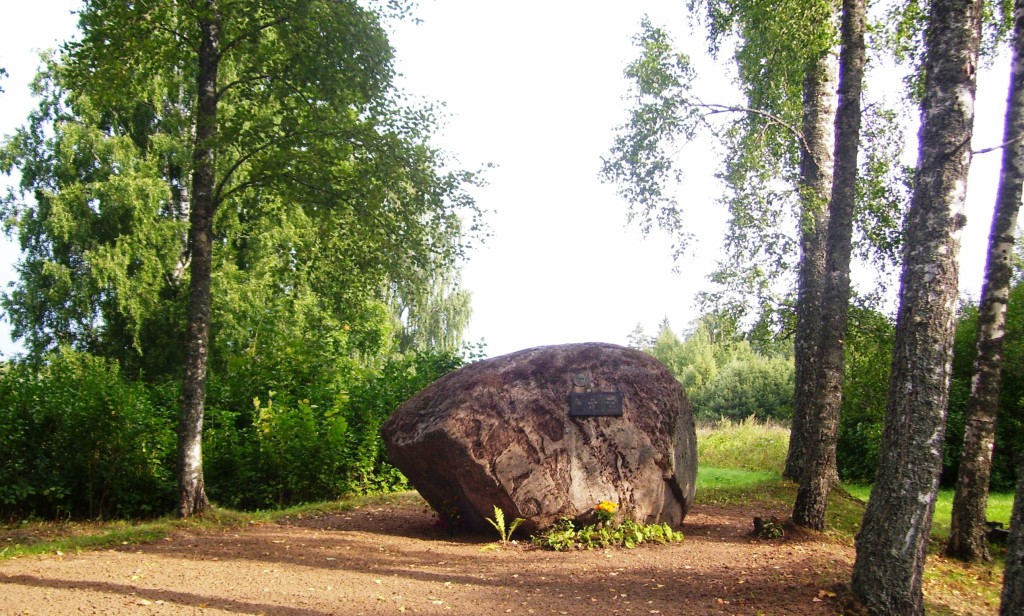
239,82
998,147
219,193
715,108
229,45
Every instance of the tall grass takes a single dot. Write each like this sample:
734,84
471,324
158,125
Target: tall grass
748,445
739,460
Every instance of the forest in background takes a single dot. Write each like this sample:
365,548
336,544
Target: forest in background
730,374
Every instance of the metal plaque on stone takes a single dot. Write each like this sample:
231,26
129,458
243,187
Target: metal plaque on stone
595,404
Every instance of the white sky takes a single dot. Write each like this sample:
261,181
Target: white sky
536,87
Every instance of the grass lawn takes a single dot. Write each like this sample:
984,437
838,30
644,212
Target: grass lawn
999,506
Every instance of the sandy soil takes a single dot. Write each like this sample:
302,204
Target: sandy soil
393,559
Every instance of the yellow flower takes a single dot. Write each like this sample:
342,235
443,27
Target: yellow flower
608,506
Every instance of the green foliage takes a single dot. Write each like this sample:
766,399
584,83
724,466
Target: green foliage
760,387
498,522
902,28
321,441
724,377
776,45
331,201
565,535
1010,421
884,186
770,528
432,312
869,347
732,388
867,363
642,159
791,33
83,192
79,440
337,232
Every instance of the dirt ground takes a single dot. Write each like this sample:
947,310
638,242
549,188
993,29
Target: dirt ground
393,559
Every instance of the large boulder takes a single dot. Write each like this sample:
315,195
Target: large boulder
537,433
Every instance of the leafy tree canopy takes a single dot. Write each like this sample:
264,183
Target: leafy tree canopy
761,140
327,188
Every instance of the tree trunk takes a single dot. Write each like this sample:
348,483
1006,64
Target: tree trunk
1012,602
967,534
819,472
819,114
893,537
192,493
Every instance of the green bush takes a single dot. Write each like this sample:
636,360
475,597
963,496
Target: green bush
866,381
1010,421
723,375
80,440
314,443
868,356
757,386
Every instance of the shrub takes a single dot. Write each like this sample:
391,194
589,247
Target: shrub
869,349
80,440
723,375
866,380
313,443
756,386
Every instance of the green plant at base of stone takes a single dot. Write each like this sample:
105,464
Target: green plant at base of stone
565,536
499,524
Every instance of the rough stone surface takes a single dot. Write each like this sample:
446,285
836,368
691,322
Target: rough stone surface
498,432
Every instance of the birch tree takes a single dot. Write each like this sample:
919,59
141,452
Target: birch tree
892,542
967,540
819,462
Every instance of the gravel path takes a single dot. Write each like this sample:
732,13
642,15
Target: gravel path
392,559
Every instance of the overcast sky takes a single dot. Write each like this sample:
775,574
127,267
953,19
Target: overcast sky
536,88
